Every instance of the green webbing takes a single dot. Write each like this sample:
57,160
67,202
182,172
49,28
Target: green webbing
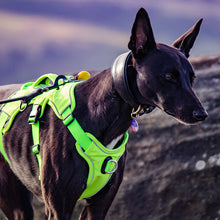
75,129
80,136
4,118
36,143
47,78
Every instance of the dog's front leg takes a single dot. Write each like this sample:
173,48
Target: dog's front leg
62,185
98,206
63,175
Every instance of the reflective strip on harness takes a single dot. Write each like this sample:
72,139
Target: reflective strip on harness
4,118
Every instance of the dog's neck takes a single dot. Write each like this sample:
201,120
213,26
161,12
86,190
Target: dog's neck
99,108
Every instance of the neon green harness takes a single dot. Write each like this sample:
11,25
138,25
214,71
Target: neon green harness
102,161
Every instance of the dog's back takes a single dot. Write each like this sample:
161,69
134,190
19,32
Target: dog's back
7,90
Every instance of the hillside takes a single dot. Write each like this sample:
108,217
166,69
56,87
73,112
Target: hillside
64,36
173,170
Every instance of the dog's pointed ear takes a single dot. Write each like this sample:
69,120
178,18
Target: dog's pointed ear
142,38
186,41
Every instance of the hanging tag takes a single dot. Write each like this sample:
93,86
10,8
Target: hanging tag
134,126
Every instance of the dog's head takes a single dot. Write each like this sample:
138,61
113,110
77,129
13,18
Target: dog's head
164,74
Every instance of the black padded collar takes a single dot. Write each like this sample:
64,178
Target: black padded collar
121,82
120,79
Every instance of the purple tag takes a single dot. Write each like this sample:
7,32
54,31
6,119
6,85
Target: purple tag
134,126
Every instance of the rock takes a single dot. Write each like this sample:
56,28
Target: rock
173,170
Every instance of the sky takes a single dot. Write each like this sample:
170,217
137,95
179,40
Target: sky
65,36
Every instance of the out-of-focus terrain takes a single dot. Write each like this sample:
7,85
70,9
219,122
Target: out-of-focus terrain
64,36
173,170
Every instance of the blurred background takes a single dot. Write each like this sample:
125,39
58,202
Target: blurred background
164,179
64,36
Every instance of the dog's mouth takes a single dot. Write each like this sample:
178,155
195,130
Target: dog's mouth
178,118
169,113
196,116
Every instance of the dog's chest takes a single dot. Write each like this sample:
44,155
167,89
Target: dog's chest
114,142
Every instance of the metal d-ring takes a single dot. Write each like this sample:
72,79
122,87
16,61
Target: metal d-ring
134,113
115,166
21,108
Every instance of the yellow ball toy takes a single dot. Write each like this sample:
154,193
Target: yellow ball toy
83,75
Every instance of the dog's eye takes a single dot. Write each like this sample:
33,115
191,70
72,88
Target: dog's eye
170,77
192,78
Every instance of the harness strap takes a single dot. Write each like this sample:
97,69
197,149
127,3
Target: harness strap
36,145
102,161
75,129
71,123
35,125
4,118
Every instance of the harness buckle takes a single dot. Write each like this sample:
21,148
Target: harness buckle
35,114
107,165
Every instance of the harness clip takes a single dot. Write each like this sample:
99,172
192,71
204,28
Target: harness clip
35,148
35,114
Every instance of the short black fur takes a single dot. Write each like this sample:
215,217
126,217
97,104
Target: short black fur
159,76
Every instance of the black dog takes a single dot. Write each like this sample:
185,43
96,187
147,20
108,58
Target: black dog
152,75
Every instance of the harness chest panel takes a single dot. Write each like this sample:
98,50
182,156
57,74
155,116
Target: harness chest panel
102,161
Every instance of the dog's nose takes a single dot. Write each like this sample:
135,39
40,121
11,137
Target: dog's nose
200,115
